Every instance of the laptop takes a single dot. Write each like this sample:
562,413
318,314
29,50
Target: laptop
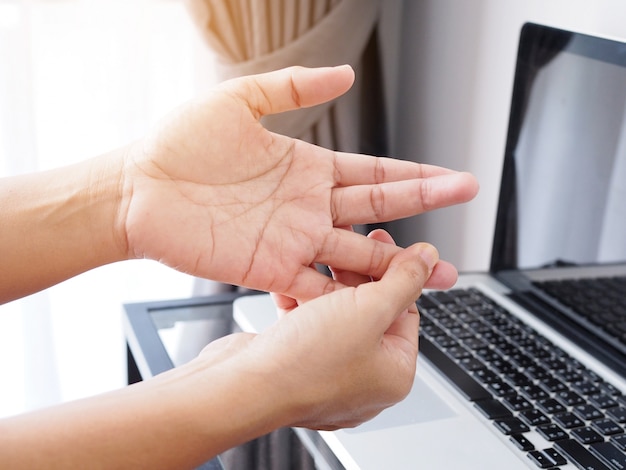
524,366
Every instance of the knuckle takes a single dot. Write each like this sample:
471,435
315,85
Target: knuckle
379,171
295,94
377,201
377,260
425,196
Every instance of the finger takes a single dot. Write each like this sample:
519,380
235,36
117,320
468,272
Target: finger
350,278
283,303
292,88
370,256
444,276
349,251
406,326
309,284
393,200
382,236
364,169
399,287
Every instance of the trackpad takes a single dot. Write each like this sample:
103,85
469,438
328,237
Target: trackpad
421,405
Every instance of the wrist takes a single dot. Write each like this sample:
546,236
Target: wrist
227,398
108,198
63,222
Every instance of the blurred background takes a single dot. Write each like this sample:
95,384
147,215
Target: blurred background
80,77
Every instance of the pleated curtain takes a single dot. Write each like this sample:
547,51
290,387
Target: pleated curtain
250,36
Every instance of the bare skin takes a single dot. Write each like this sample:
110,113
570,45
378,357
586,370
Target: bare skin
212,193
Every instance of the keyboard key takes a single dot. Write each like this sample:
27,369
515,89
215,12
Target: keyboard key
587,435
465,383
520,359
540,459
511,426
446,342
585,387
458,352
620,441
570,375
606,427
517,403
518,379
489,356
471,364
538,372
555,456
603,401
521,442
485,376
551,406
554,364
534,417
569,398
551,432
553,385
609,454
608,388
500,389
534,392
492,409
581,457
588,412
568,420
617,413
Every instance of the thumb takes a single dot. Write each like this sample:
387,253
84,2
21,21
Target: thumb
400,286
291,88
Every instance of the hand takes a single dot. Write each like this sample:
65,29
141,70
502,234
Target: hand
215,194
340,359
443,276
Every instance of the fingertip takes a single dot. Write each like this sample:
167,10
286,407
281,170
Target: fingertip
283,303
444,276
347,71
318,85
428,253
382,236
471,183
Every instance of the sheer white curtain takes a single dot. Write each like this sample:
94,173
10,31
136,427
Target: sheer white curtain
78,78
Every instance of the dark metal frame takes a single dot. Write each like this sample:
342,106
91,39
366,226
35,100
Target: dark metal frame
146,354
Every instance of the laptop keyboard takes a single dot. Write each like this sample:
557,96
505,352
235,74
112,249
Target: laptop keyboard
523,383
600,301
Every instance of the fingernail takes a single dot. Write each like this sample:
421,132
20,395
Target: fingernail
430,255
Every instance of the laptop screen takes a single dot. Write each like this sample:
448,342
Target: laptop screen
564,178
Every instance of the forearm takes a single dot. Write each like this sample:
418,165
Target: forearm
59,223
177,420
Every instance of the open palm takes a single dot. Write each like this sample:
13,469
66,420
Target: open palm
214,194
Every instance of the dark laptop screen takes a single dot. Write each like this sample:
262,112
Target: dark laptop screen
563,191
